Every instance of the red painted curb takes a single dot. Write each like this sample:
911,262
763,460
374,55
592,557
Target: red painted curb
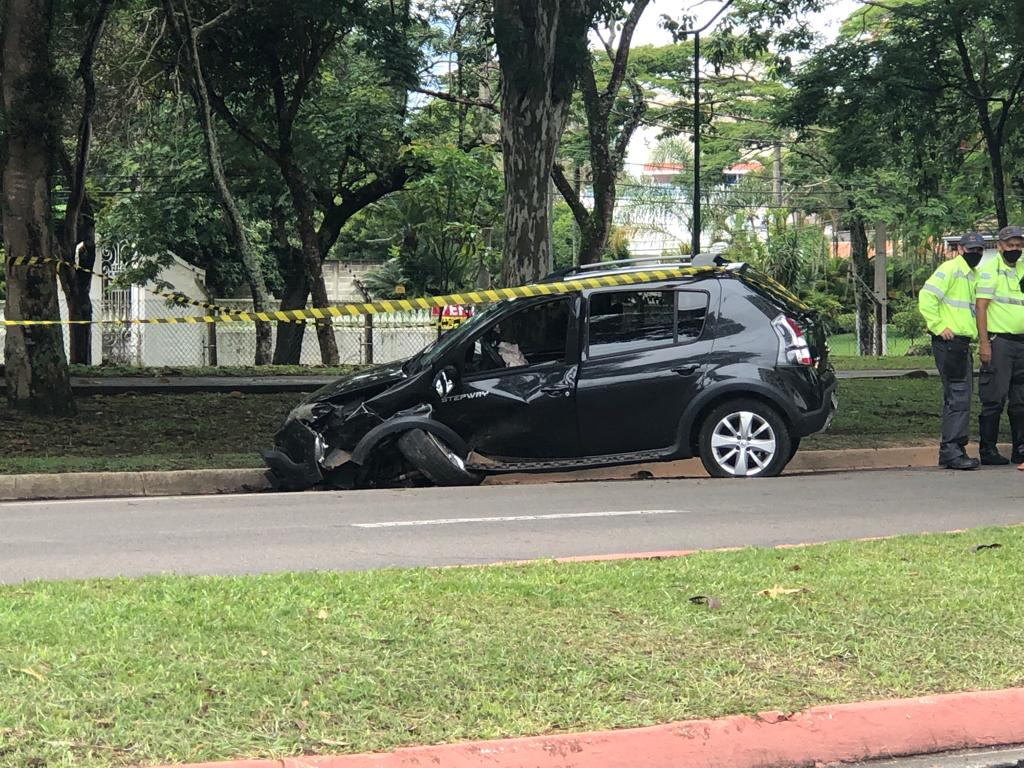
829,734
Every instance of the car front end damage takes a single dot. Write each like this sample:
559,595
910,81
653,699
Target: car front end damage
319,438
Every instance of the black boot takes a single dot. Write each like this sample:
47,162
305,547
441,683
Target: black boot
1017,437
988,437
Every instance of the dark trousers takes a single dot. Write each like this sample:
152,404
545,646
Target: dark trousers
957,386
1003,379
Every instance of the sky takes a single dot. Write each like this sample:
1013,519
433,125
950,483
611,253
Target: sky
649,32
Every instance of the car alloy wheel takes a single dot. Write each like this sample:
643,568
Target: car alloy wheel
743,444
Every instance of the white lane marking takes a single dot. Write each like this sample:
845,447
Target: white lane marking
518,518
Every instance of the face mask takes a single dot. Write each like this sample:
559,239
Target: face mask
973,259
1011,256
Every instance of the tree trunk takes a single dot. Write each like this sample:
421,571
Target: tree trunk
541,46
288,350
606,156
312,260
861,267
77,284
78,214
36,368
595,237
189,37
995,154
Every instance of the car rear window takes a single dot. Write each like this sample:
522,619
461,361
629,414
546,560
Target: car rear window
774,290
621,321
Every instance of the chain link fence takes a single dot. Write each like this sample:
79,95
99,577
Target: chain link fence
361,340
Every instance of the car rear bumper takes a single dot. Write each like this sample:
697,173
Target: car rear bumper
819,419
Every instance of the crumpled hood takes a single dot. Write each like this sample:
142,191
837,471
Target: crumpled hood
372,380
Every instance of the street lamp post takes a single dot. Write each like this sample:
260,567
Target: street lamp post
695,242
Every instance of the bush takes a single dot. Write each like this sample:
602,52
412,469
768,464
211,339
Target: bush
909,324
845,322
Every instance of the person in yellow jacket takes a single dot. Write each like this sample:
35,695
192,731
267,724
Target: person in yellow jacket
1000,312
947,305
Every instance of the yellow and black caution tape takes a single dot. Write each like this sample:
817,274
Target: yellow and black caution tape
176,297
403,305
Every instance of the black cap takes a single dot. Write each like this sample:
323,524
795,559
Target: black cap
1007,232
972,240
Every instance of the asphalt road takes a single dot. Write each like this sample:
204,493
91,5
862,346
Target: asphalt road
980,758
374,529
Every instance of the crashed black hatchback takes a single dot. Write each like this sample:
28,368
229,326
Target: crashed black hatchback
725,365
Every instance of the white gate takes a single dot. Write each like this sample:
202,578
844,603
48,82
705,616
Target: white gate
122,341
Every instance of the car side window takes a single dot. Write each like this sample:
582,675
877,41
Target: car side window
692,313
621,321
534,335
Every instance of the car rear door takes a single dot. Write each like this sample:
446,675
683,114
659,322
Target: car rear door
522,405
645,356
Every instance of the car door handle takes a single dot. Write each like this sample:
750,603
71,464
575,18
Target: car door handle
558,390
686,370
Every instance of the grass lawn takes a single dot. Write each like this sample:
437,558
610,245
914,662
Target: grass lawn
133,672
887,363
138,432
845,344
198,431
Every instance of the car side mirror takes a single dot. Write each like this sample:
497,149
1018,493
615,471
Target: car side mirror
445,381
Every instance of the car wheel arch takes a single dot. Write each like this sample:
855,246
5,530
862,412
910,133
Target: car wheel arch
702,407
396,426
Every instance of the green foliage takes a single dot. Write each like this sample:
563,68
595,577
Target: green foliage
436,233
909,324
844,322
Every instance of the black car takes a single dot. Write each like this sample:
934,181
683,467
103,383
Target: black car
724,364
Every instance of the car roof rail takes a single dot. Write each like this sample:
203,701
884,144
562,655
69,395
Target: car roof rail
619,263
717,259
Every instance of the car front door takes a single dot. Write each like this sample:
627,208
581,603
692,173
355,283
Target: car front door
512,387
646,354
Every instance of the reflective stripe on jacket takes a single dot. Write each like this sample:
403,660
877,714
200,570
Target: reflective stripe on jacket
1000,284
947,299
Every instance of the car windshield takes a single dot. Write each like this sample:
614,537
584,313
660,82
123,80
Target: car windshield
448,341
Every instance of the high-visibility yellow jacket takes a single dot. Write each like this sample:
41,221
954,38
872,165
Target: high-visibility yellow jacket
947,299
1000,284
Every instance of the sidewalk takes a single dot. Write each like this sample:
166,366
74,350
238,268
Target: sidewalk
199,482
817,736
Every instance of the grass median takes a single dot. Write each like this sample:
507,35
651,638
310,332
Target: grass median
221,431
134,672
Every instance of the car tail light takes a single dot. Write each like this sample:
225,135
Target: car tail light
793,346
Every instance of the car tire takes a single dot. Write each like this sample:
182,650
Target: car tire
744,438
794,446
438,463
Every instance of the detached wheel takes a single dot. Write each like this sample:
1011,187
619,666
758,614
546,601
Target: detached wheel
431,456
745,438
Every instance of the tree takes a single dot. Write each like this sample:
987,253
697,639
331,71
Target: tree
320,89
608,135
957,62
189,37
542,47
437,230
36,368
79,226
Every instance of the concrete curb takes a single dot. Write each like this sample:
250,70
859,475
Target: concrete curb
207,482
822,735
91,485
